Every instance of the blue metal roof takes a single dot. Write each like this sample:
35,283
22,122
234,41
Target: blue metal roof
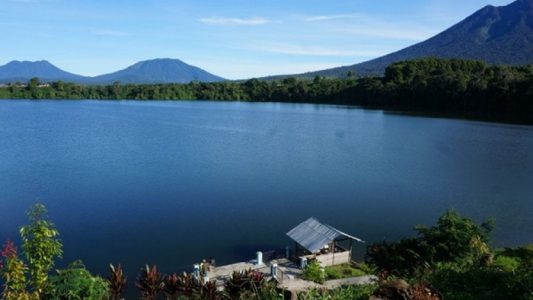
313,235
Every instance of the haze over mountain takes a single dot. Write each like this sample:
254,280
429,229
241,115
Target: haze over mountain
496,35
148,71
162,70
22,71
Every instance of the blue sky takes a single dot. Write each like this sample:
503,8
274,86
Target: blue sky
234,39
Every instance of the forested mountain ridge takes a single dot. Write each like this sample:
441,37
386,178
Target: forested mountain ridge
495,35
427,85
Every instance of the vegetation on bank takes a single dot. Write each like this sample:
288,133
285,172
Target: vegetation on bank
454,257
450,260
315,272
345,271
454,86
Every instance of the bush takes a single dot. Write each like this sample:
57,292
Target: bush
510,277
452,239
454,257
314,272
40,245
76,283
506,264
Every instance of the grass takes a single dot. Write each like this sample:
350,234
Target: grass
343,271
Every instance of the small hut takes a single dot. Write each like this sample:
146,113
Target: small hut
325,243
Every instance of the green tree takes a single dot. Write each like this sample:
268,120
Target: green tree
40,245
33,83
455,238
76,283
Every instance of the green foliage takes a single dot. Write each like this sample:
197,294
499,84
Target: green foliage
40,245
455,238
343,271
314,272
33,83
429,85
76,283
453,256
352,292
13,273
477,282
452,239
523,254
506,264
367,269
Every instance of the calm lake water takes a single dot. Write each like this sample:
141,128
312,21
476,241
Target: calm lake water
174,182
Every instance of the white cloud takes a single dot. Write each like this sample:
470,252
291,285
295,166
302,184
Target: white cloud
371,26
235,21
327,17
315,51
109,33
389,31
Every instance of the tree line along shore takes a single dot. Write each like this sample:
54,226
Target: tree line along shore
441,86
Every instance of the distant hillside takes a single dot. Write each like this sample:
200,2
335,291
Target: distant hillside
149,71
22,71
496,35
158,71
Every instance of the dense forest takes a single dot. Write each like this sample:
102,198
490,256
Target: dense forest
431,85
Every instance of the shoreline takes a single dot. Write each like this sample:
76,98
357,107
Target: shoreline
510,119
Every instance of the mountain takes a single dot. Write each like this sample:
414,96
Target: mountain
22,71
496,35
149,71
162,70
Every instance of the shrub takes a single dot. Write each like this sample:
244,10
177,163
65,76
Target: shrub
40,245
506,264
314,272
75,283
452,239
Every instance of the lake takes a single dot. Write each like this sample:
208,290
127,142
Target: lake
173,182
